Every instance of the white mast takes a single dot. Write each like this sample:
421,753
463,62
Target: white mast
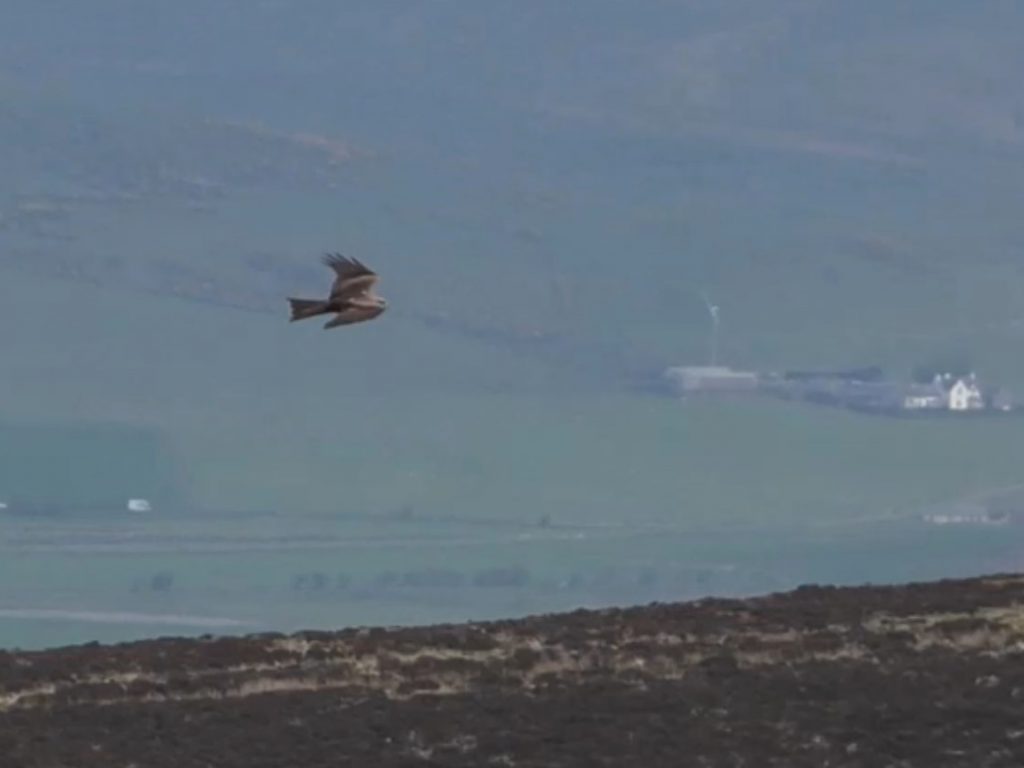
713,311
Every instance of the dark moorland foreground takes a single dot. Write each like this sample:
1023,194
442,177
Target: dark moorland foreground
917,675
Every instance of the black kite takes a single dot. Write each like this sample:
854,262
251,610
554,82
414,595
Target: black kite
351,297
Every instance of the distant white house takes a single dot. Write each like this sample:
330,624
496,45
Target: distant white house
945,392
963,394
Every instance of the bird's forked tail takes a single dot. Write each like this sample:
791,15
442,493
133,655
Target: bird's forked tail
303,308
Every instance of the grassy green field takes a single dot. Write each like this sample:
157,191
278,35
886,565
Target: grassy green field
263,415
61,467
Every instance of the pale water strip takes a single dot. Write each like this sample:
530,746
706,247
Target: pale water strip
119,617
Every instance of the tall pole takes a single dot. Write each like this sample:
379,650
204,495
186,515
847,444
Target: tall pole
713,311
714,335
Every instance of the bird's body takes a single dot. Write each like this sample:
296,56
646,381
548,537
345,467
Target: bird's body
351,297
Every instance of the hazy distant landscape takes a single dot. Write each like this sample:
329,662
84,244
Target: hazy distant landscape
546,194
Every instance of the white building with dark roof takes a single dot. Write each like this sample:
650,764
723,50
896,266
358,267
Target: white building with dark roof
965,397
962,393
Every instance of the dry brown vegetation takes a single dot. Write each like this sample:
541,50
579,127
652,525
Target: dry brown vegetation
926,674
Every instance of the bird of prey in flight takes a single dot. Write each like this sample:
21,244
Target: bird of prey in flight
351,297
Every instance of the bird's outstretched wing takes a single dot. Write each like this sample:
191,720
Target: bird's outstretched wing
353,277
353,314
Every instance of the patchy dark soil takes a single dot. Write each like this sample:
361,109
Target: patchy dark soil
918,675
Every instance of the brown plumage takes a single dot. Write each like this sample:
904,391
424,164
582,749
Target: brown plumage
351,297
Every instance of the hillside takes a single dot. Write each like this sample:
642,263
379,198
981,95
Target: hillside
925,674
546,194
797,160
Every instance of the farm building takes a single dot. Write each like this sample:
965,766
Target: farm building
945,393
708,378
964,395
